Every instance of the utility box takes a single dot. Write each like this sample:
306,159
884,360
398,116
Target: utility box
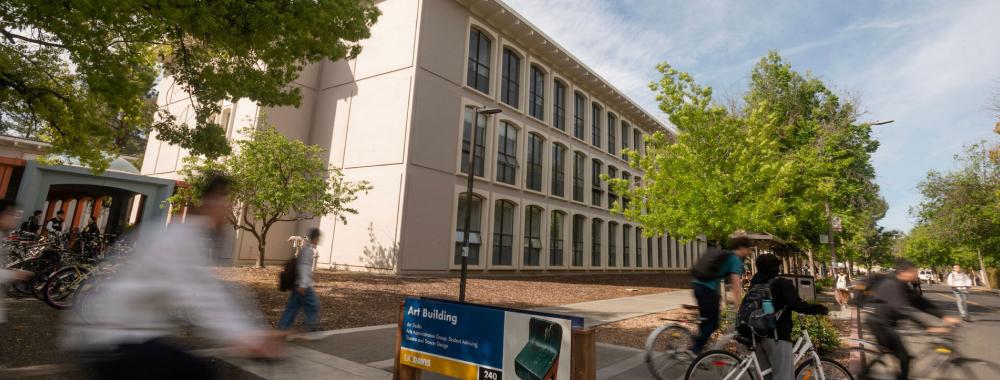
805,284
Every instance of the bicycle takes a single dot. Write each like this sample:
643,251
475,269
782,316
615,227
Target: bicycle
668,347
719,364
941,355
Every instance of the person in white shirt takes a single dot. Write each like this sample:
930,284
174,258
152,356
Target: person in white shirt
8,220
960,282
841,292
303,296
164,286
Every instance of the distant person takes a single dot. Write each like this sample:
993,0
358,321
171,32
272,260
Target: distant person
8,220
165,286
776,350
303,296
893,300
960,282
841,290
33,224
55,225
92,227
712,268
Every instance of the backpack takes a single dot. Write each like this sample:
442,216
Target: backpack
861,292
707,268
289,273
753,318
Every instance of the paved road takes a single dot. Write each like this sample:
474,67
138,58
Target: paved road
980,338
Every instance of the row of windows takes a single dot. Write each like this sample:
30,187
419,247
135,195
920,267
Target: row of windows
509,163
478,77
637,250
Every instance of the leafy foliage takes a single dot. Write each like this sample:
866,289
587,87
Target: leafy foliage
275,179
79,74
823,333
771,163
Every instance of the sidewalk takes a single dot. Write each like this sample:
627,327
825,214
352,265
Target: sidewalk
367,353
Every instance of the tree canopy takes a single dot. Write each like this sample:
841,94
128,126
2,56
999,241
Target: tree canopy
772,162
79,74
275,179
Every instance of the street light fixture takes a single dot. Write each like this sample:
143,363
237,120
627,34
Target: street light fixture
468,193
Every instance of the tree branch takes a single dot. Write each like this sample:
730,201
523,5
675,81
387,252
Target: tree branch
12,36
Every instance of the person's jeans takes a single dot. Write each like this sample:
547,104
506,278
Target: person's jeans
776,355
310,305
708,309
962,299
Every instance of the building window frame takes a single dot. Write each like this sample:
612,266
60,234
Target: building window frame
557,239
579,115
559,91
535,162
475,230
612,129
533,243
626,251
597,190
579,172
506,158
625,127
510,77
558,182
578,240
612,244
504,227
481,146
596,229
536,92
595,124
473,77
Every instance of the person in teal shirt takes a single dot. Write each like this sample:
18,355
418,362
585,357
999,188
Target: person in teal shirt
708,293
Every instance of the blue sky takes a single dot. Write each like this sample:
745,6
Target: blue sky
929,65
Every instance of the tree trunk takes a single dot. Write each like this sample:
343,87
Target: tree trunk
261,248
812,264
982,269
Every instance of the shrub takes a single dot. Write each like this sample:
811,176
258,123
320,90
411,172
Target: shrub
824,334
824,283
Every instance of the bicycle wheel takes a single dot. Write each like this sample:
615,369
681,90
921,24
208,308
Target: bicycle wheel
881,368
667,354
714,365
62,285
830,370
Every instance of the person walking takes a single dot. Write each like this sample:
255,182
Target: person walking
841,291
775,351
165,287
303,296
8,220
960,282
711,269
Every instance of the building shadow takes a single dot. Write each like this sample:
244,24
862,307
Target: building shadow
378,257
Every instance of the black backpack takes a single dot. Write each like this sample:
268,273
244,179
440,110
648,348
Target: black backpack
862,291
707,268
752,318
289,273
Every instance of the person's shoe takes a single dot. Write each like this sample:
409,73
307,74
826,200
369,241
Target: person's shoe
967,319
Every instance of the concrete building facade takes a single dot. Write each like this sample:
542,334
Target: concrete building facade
400,116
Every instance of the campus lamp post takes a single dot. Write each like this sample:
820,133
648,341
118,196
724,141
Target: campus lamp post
468,194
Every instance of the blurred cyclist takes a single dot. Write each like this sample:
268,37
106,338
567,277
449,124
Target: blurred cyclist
960,282
165,286
893,301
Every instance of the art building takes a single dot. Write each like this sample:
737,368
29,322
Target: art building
400,117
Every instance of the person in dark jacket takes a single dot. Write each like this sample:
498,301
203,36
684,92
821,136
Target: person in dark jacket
777,353
894,300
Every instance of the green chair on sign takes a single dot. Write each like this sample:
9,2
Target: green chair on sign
539,359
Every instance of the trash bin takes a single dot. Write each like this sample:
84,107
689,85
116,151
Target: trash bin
805,284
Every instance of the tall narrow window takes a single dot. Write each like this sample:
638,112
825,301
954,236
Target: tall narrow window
628,179
559,106
637,140
578,108
596,193
556,239
612,196
507,153
595,124
480,148
475,240
659,251
578,223
535,152
537,99
625,133
595,243
510,80
638,247
626,242
558,170
503,233
612,244
670,252
478,74
578,163
612,126
532,236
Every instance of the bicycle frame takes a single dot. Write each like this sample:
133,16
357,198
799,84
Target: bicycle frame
800,349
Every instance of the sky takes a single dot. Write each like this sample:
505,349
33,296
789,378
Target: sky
932,66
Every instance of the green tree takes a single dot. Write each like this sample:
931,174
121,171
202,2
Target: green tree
275,180
769,163
80,72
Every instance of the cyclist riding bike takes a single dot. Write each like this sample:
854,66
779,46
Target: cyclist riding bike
713,267
893,301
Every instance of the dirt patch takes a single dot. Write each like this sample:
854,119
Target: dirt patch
633,332
351,299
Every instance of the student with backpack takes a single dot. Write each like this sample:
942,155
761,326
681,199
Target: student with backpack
711,269
766,311
302,294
